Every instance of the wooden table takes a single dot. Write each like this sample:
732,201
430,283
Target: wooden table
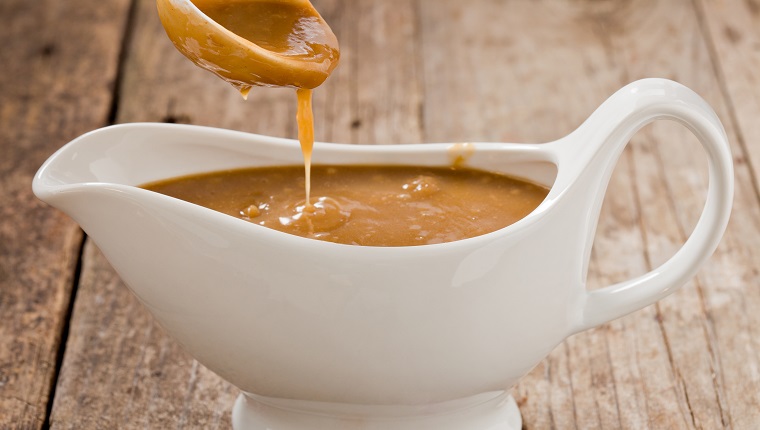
78,351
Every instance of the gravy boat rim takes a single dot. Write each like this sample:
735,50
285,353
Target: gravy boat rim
542,152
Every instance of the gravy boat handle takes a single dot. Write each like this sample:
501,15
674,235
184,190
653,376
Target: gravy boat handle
588,157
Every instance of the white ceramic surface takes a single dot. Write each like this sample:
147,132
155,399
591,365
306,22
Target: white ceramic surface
345,335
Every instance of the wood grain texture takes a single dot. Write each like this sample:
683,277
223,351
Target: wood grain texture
733,32
700,329
56,83
448,70
122,371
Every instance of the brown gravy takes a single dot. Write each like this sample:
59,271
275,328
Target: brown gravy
367,205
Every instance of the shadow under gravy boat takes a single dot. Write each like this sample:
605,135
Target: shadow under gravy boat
321,335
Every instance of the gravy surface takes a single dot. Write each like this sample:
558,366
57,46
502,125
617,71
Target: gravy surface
367,205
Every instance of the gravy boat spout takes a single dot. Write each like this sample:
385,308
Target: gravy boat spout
328,336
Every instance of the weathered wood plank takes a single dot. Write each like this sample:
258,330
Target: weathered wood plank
733,31
58,67
511,72
682,318
727,354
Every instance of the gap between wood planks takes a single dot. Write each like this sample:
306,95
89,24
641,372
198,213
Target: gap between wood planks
110,120
64,332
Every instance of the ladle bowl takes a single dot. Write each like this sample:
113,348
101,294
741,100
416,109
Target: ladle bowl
239,61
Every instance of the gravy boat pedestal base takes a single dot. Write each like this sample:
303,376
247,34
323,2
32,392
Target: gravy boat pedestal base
487,411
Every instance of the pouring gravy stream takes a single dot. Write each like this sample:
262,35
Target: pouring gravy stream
286,43
258,43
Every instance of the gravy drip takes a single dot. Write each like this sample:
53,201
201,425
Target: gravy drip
368,205
305,119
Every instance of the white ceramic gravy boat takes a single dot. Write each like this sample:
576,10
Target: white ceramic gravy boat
328,336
